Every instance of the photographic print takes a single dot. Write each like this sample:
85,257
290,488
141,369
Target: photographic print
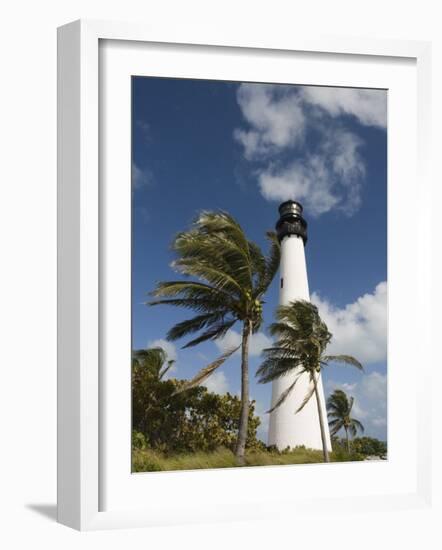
259,274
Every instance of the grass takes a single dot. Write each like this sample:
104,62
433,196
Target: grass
152,461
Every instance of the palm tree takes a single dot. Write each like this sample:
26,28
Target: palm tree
301,340
230,277
339,407
153,359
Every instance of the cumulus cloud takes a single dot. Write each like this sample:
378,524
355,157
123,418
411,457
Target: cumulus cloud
360,328
217,382
330,178
369,107
370,405
275,116
232,339
329,172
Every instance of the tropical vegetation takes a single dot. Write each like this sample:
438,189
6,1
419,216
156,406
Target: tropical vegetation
169,421
196,428
369,447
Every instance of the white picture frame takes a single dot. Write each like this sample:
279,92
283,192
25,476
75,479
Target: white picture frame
80,396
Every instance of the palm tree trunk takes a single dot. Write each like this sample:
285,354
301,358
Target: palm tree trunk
321,422
348,442
244,415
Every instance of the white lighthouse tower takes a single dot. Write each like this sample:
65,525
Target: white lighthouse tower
286,428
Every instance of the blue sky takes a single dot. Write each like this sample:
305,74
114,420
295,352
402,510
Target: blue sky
244,148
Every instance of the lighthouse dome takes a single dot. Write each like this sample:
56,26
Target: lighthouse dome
290,207
291,221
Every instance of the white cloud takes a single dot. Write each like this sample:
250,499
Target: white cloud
360,328
217,382
370,405
329,173
330,178
232,339
368,106
275,116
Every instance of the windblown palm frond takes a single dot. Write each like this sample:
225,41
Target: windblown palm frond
215,249
204,373
190,326
198,296
284,395
212,333
270,265
355,426
277,365
346,359
308,395
335,426
166,368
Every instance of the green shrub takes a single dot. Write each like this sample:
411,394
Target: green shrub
360,448
369,446
191,421
139,441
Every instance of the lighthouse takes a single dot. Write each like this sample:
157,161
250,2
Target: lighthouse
287,429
